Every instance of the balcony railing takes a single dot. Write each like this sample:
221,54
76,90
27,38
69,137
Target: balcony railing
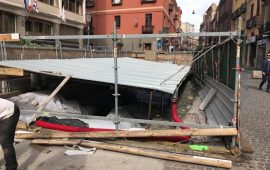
147,29
148,1
253,22
242,9
90,3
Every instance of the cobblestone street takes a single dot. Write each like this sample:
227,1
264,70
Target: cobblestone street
255,121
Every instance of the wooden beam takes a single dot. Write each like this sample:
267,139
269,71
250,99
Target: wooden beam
49,98
143,152
129,134
9,37
208,98
11,71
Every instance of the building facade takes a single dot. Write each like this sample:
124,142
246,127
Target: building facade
208,24
224,15
253,22
240,11
133,17
14,18
263,41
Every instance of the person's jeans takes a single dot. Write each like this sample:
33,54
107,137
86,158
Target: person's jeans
265,78
7,134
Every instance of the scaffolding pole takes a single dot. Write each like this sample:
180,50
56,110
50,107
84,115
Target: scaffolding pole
238,69
127,36
115,50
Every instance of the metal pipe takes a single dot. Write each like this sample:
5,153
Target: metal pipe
125,36
236,114
115,77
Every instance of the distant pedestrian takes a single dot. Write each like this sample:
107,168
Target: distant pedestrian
9,116
266,72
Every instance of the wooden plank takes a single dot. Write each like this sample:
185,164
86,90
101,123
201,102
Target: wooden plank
208,99
11,71
9,37
217,151
143,152
49,98
21,125
130,134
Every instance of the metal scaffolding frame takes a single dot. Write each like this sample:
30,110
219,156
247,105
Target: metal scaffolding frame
115,37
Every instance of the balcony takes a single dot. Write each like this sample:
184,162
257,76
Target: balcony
253,22
147,29
148,1
90,3
242,9
256,21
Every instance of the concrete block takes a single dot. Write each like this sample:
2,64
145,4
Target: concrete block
256,74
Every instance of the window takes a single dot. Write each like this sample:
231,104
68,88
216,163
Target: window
116,2
29,26
47,29
73,6
147,46
148,1
117,20
251,11
38,27
50,2
148,19
7,22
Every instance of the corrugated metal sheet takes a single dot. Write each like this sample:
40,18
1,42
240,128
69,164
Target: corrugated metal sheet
220,110
132,72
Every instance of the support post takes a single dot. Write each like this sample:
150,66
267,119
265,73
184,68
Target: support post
236,114
115,50
49,98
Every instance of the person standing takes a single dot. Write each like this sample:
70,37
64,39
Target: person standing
9,116
266,72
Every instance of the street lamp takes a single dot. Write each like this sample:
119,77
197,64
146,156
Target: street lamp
88,20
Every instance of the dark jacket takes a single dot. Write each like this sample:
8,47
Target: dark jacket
266,66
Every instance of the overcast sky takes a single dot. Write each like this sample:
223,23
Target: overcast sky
199,7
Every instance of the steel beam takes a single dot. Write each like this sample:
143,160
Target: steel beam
128,36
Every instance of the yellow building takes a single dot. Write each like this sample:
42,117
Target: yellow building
48,21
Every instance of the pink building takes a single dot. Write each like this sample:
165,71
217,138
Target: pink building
134,16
